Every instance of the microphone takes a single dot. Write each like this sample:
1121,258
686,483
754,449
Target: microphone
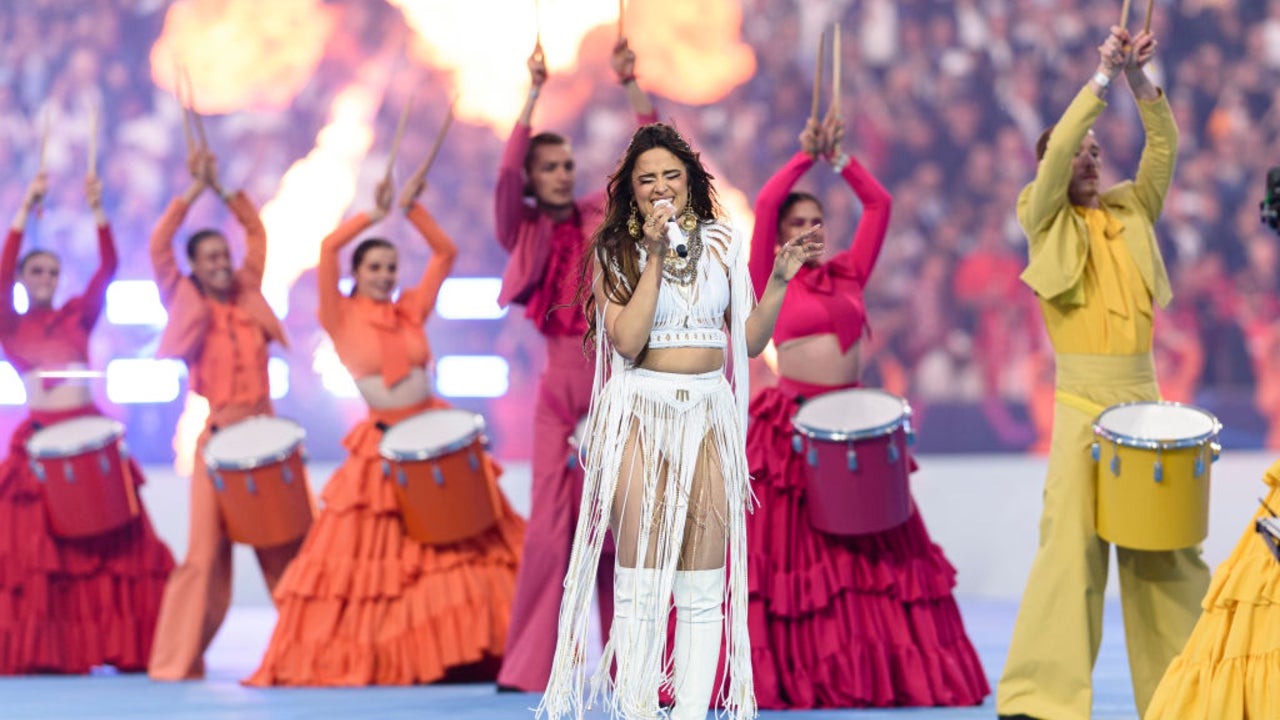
674,235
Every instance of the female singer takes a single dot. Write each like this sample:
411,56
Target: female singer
665,459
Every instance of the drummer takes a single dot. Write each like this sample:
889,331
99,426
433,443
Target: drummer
65,605
365,604
1097,270
819,338
220,325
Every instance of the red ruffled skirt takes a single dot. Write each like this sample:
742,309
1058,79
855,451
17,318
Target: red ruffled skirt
860,621
364,604
68,605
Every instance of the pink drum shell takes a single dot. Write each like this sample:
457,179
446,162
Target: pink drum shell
875,497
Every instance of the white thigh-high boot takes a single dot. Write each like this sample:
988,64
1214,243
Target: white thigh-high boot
638,675
699,595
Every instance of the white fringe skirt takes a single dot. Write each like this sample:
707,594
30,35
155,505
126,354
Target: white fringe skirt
679,419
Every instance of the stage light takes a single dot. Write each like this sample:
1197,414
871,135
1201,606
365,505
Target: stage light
143,380
135,302
12,391
333,376
20,301
473,298
472,376
278,377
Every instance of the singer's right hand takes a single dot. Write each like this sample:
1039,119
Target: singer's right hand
655,227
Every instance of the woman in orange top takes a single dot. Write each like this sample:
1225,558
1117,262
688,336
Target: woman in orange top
66,605
363,603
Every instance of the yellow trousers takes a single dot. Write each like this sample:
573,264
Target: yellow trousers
1048,673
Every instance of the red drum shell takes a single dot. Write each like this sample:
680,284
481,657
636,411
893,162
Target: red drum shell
90,490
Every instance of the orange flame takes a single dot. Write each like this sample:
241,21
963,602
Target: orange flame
243,54
316,190
690,52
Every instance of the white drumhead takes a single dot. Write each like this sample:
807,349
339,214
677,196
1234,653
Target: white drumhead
1158,421
73,436
431,433
851,411
253,442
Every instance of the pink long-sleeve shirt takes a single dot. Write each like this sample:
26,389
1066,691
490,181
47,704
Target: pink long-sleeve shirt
827,298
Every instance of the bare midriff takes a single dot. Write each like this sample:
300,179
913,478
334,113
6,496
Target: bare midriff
818,359
414,389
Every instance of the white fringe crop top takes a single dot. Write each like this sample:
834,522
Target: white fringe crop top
693,314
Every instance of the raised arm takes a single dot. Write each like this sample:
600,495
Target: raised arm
1047,193
876,204
12,246
95,293
769,201
623,61
421,300
1159,154
508,199
163,262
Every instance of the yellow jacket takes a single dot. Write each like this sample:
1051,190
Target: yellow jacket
1058,237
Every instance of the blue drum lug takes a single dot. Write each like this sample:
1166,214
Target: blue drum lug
473,461
401,480
893,452
1159,471
572,461
1199,466
250,485
437,475
104,464
797,445
123,447
1115,465
851,459
911,438
218,484
386,469
69,471
287,473
1095,451
1216,450
38,470
812,457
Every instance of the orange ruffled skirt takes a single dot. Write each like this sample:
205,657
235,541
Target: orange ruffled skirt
363,604
68,605
1230,666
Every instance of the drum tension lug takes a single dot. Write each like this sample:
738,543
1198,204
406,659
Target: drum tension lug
851,459
286,474
1158,469
38,470
437,475
893,452
1115,462
68,471
250,485
473,461
104,464
797,445
812,456
386,469
400,478
1199,466
1095,451
218,484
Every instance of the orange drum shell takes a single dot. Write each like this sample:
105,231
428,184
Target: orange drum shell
259,508
461,507
88,501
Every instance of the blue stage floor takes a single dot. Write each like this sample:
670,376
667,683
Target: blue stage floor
239,645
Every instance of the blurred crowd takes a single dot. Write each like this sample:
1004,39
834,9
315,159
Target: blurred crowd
943,99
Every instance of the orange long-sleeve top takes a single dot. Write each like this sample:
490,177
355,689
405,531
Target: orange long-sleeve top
223,344
382,337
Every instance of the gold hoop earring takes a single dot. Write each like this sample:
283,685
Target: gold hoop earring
633,222
688,219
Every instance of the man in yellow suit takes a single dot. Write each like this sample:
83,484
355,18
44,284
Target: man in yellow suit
1096,267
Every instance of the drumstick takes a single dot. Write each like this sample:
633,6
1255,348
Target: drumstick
1146,25
395,141
622,10
1124,15
435,149
817,75
44,138
537,24
186,119
835,70
195,114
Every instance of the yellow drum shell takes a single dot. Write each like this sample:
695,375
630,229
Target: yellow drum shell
1135,511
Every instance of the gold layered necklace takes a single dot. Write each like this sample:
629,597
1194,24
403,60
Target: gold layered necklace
682,270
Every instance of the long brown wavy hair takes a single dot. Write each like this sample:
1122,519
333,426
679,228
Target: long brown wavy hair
612,243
